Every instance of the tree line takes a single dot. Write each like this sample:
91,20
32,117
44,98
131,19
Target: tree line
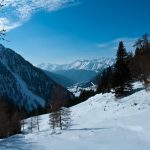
117,79
14,120
9,119
127,69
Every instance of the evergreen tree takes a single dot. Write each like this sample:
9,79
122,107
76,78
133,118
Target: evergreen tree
122,80
9,119
105,81
141,60
109,79
85,94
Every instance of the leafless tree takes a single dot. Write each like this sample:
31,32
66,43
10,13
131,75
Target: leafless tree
2,31
59,116
65,119
37,123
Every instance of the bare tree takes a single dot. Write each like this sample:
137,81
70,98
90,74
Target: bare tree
65,118
2,31
31,125
54,119
59,116
23,125
2,34
60,119
37,123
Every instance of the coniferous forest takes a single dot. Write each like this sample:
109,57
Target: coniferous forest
74,75
128,68
118,78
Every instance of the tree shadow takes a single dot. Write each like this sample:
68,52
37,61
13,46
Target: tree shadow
137,90
134,91
89,129
16,143
129,93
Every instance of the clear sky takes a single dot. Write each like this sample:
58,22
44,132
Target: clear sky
61,31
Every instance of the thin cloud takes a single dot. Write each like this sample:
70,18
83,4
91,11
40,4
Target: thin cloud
16,12
113,45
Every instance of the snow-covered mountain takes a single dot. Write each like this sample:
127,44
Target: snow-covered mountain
92,65
100,123
25,84
80,71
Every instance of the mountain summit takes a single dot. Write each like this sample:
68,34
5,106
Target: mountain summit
91,65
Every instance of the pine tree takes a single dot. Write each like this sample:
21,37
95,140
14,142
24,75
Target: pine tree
141,59
105,81
122,80
9,119
109,75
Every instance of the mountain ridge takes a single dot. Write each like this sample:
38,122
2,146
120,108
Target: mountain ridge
26,85
92,65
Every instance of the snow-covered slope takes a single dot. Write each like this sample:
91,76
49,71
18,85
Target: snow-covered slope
92,65
77,88
25,84
100,123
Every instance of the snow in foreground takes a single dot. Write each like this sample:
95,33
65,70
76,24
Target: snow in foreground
101,123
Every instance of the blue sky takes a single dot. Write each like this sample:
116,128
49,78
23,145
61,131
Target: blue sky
61,31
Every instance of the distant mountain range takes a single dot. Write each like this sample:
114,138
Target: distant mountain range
77,72
92,65
26,85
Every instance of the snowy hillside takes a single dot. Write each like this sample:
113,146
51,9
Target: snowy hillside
92,65
24,84
100,123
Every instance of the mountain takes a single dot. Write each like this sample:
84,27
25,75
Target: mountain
61,79
78,75
79,71
26,85
92,65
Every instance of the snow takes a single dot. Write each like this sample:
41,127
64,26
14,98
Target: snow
100,123
33,100
93,65
25,85
77,88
